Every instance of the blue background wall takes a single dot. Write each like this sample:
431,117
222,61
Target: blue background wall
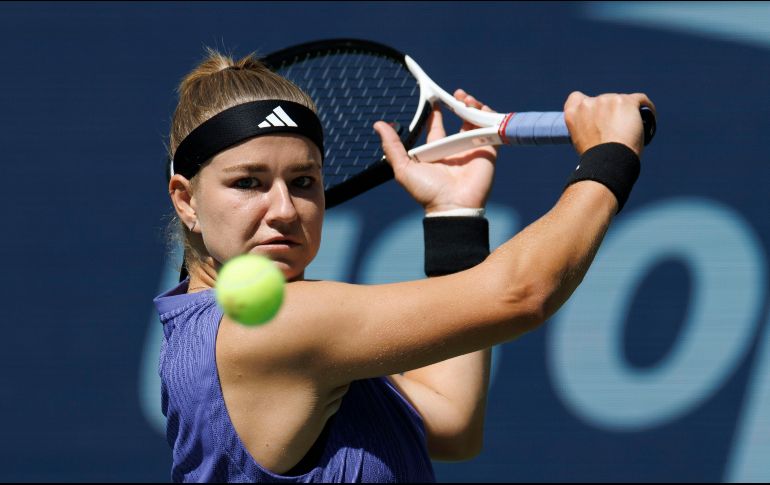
657,369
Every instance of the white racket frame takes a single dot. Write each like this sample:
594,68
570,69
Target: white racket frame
489,124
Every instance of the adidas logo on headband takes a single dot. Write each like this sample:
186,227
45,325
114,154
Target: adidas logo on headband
273,119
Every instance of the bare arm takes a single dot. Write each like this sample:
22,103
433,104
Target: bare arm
329,334
451,395
343,332
340,332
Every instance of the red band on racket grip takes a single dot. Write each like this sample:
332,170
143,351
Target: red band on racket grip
503,125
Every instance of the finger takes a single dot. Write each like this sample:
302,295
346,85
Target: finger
395,153
488,109
471,102
467,100
435,125
643,100
573,100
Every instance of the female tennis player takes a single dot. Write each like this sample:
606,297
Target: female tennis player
351,382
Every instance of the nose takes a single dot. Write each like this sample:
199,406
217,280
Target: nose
281,208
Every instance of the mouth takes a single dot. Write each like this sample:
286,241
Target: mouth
278,243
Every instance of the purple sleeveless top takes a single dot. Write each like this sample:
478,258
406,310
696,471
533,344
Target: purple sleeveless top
375,436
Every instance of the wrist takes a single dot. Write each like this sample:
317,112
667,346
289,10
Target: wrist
614,165
454,244
595,197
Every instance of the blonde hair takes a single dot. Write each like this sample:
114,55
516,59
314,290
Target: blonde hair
216,84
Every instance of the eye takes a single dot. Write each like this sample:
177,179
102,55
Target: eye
304,182
247,183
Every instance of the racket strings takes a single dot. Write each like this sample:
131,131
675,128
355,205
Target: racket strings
352,91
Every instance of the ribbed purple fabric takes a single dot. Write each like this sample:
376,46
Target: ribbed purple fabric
376,435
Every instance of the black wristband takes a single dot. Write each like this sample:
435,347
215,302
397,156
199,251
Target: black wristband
454,244
611,164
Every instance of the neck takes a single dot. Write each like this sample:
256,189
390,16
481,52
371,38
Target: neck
203,275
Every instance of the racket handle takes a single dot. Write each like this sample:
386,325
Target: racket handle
549,128
535,128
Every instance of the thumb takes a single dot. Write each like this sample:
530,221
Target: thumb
395,153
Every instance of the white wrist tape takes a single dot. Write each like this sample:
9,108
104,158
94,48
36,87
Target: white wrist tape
463,212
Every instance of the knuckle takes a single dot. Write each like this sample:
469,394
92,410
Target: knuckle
572,98
570,115
612,100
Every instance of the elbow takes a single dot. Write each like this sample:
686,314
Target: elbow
473,446
536,310
470,445
461,448
527,305
459,439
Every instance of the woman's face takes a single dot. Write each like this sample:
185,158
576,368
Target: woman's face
263,196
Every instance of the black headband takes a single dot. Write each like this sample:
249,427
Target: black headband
240,123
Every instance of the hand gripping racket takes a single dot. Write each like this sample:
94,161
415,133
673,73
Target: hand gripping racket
355,83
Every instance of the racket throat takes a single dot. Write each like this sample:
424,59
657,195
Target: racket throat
454,144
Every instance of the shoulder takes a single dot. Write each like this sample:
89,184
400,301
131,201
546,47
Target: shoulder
176,301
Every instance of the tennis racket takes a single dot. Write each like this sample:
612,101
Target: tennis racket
355,83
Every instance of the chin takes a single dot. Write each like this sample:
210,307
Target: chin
291,271
291,263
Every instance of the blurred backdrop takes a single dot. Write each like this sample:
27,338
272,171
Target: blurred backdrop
657,369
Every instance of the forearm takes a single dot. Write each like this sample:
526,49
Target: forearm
549,259
462,382
451,395
546,261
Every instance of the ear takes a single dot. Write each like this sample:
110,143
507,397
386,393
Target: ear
180,191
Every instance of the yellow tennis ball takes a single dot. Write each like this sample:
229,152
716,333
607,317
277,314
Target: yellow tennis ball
250,289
